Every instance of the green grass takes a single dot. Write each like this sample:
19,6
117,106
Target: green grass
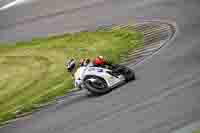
197,131
33,72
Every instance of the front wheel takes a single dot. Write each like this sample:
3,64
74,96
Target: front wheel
96,85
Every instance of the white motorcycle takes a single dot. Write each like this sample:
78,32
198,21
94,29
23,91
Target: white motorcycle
100,80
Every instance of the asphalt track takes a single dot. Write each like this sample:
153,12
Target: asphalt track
166,95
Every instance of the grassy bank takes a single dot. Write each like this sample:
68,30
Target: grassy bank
197,131
33,72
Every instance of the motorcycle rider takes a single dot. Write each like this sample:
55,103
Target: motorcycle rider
71,64
100,61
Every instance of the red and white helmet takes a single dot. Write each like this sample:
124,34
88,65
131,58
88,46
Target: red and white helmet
100,57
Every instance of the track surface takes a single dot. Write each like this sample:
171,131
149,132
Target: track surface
166,95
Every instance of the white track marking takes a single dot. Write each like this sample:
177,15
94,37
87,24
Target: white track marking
14,3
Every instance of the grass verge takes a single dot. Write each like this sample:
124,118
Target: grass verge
33,72
197,131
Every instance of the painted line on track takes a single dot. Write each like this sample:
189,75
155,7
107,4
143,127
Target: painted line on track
14,3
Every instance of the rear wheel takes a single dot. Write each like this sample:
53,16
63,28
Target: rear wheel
96,85
127,72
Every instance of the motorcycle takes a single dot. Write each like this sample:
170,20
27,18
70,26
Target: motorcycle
101,80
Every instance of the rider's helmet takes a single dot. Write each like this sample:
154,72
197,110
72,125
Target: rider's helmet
100,57
100,60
